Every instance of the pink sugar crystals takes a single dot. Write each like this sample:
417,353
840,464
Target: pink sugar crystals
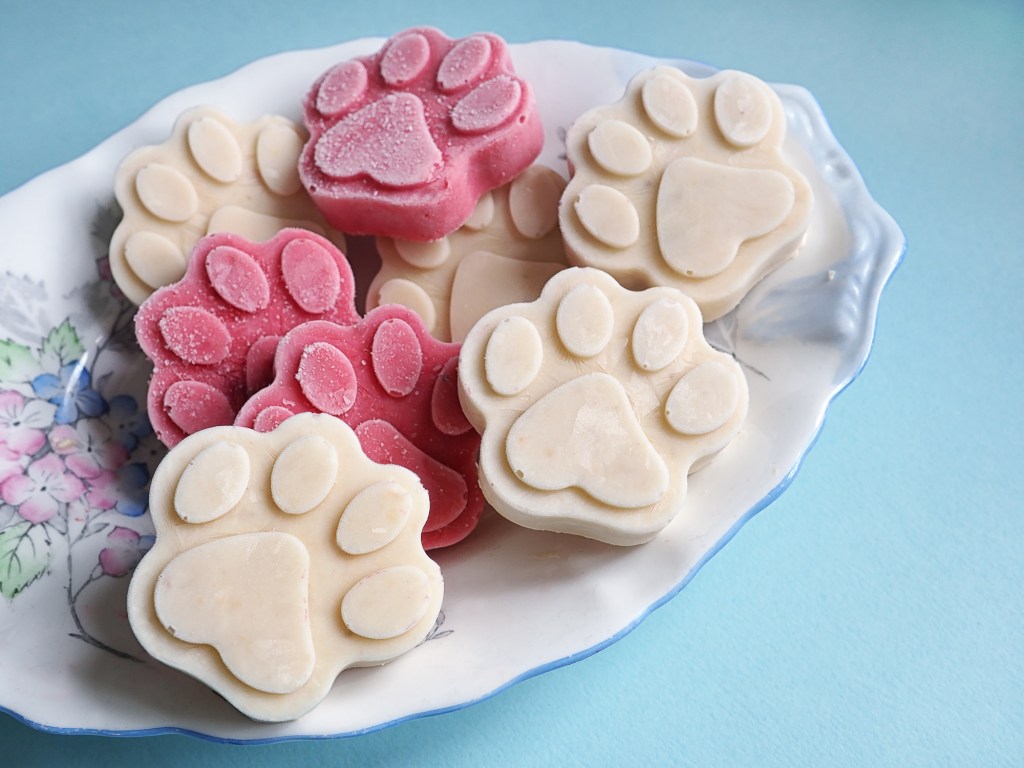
396,386
212,335
404,142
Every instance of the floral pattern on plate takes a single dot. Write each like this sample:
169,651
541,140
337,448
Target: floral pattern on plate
75,453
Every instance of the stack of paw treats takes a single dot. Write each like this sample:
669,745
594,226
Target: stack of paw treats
530,342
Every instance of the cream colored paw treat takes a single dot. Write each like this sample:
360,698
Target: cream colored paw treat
211,175
280,560
683,182
503,254
594,403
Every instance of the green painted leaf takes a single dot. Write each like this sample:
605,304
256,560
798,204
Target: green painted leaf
17,363
62,344
23,559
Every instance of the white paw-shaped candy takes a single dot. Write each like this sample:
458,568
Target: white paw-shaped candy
595,403
281,559
683,182
211,175
503,254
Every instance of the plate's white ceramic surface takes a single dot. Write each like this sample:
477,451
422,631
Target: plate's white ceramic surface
517,602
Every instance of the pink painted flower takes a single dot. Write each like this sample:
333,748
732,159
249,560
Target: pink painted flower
39,492
125,489
88,447
125,551
102,490
22,422
11,463
107,276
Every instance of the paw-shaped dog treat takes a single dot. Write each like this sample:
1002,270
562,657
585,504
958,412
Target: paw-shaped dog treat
503,254
595,402
404,142
212,335
212,175
683,183
280,560
396,385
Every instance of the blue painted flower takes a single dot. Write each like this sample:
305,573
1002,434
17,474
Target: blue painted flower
133,489
71,391
127,423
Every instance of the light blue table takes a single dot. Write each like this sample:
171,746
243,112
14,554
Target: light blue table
873,614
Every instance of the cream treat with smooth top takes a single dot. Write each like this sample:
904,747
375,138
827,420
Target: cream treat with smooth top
211,175
504,253
594,404
280,560
683,182
404,142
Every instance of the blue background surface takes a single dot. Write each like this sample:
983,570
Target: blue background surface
873,614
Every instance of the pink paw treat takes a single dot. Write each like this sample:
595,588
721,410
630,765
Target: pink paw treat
212,335
396,386
404,142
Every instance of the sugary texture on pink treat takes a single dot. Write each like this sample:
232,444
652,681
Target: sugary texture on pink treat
396,386
212,335
403,142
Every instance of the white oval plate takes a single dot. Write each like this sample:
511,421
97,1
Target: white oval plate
517,602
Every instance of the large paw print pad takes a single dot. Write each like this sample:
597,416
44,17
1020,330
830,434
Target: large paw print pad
212,175
404,142
594,404
396,386
212,336
683,182
504,253
280,560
